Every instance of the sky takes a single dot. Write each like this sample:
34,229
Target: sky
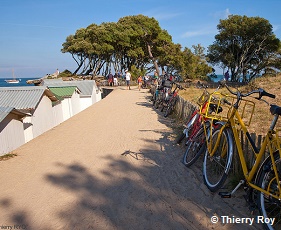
32,31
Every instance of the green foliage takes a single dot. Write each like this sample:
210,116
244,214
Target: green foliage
133,42
135,72
65,73
245,45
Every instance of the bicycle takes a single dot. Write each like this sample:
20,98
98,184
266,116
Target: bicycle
171,100
161,95
195,131
162,89
262,179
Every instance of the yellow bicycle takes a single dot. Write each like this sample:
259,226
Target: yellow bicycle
263,178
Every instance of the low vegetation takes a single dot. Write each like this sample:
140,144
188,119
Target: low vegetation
7,156
262,117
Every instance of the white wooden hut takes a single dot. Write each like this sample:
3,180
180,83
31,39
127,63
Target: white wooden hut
70,101
34,100
89,92
11,129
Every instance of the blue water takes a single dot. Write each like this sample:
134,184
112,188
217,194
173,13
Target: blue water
219,77
21,83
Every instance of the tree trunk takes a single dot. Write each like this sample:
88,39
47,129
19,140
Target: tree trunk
153,59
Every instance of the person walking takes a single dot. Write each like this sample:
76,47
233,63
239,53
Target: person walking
139,82
115,81
110,79
128,77
226,75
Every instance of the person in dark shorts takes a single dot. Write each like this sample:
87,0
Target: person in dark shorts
128,78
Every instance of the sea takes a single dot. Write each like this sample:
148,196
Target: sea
22,82
218,78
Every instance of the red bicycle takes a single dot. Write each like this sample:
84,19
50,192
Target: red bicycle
194,131
172,100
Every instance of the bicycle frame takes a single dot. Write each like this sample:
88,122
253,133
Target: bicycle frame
174,93
270,141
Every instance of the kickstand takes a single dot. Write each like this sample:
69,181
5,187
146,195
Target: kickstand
229,194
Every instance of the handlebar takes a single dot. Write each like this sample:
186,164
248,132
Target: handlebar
178,85
239,95
201,85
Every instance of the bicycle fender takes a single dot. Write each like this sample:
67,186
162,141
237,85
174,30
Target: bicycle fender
231,149
220,123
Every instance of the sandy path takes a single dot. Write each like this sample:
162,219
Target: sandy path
113,166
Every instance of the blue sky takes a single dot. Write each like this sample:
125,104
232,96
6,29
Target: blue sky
32,31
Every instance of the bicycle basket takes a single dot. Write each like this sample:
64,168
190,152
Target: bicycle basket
213,109
216,108
203,98
246,110
167,83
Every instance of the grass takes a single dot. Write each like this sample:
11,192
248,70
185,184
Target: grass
7,156
262,116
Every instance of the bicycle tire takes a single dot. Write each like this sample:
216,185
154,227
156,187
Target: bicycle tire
154,99
189,127
156,104
163,106
170,107
217,167
180,138
270,207
195,147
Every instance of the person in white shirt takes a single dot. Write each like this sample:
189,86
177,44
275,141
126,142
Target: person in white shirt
128,78
115,81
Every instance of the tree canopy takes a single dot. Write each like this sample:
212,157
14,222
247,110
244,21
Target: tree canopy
246,46
133,42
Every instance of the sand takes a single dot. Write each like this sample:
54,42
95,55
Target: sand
112,166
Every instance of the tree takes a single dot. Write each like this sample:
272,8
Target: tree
147,39
245,45
133,42
77,45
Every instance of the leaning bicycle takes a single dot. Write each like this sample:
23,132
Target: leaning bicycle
171,101
263,178
194,131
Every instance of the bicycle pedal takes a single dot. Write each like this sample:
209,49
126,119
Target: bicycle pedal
225,194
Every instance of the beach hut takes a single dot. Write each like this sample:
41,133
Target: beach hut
38,101
70,101
89,92
11,129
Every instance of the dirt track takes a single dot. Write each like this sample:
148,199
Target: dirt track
113,166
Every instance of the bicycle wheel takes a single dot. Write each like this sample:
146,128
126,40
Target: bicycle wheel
196,145
270,207
170,107
216,167
189,127
156,104
154,98
157,101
